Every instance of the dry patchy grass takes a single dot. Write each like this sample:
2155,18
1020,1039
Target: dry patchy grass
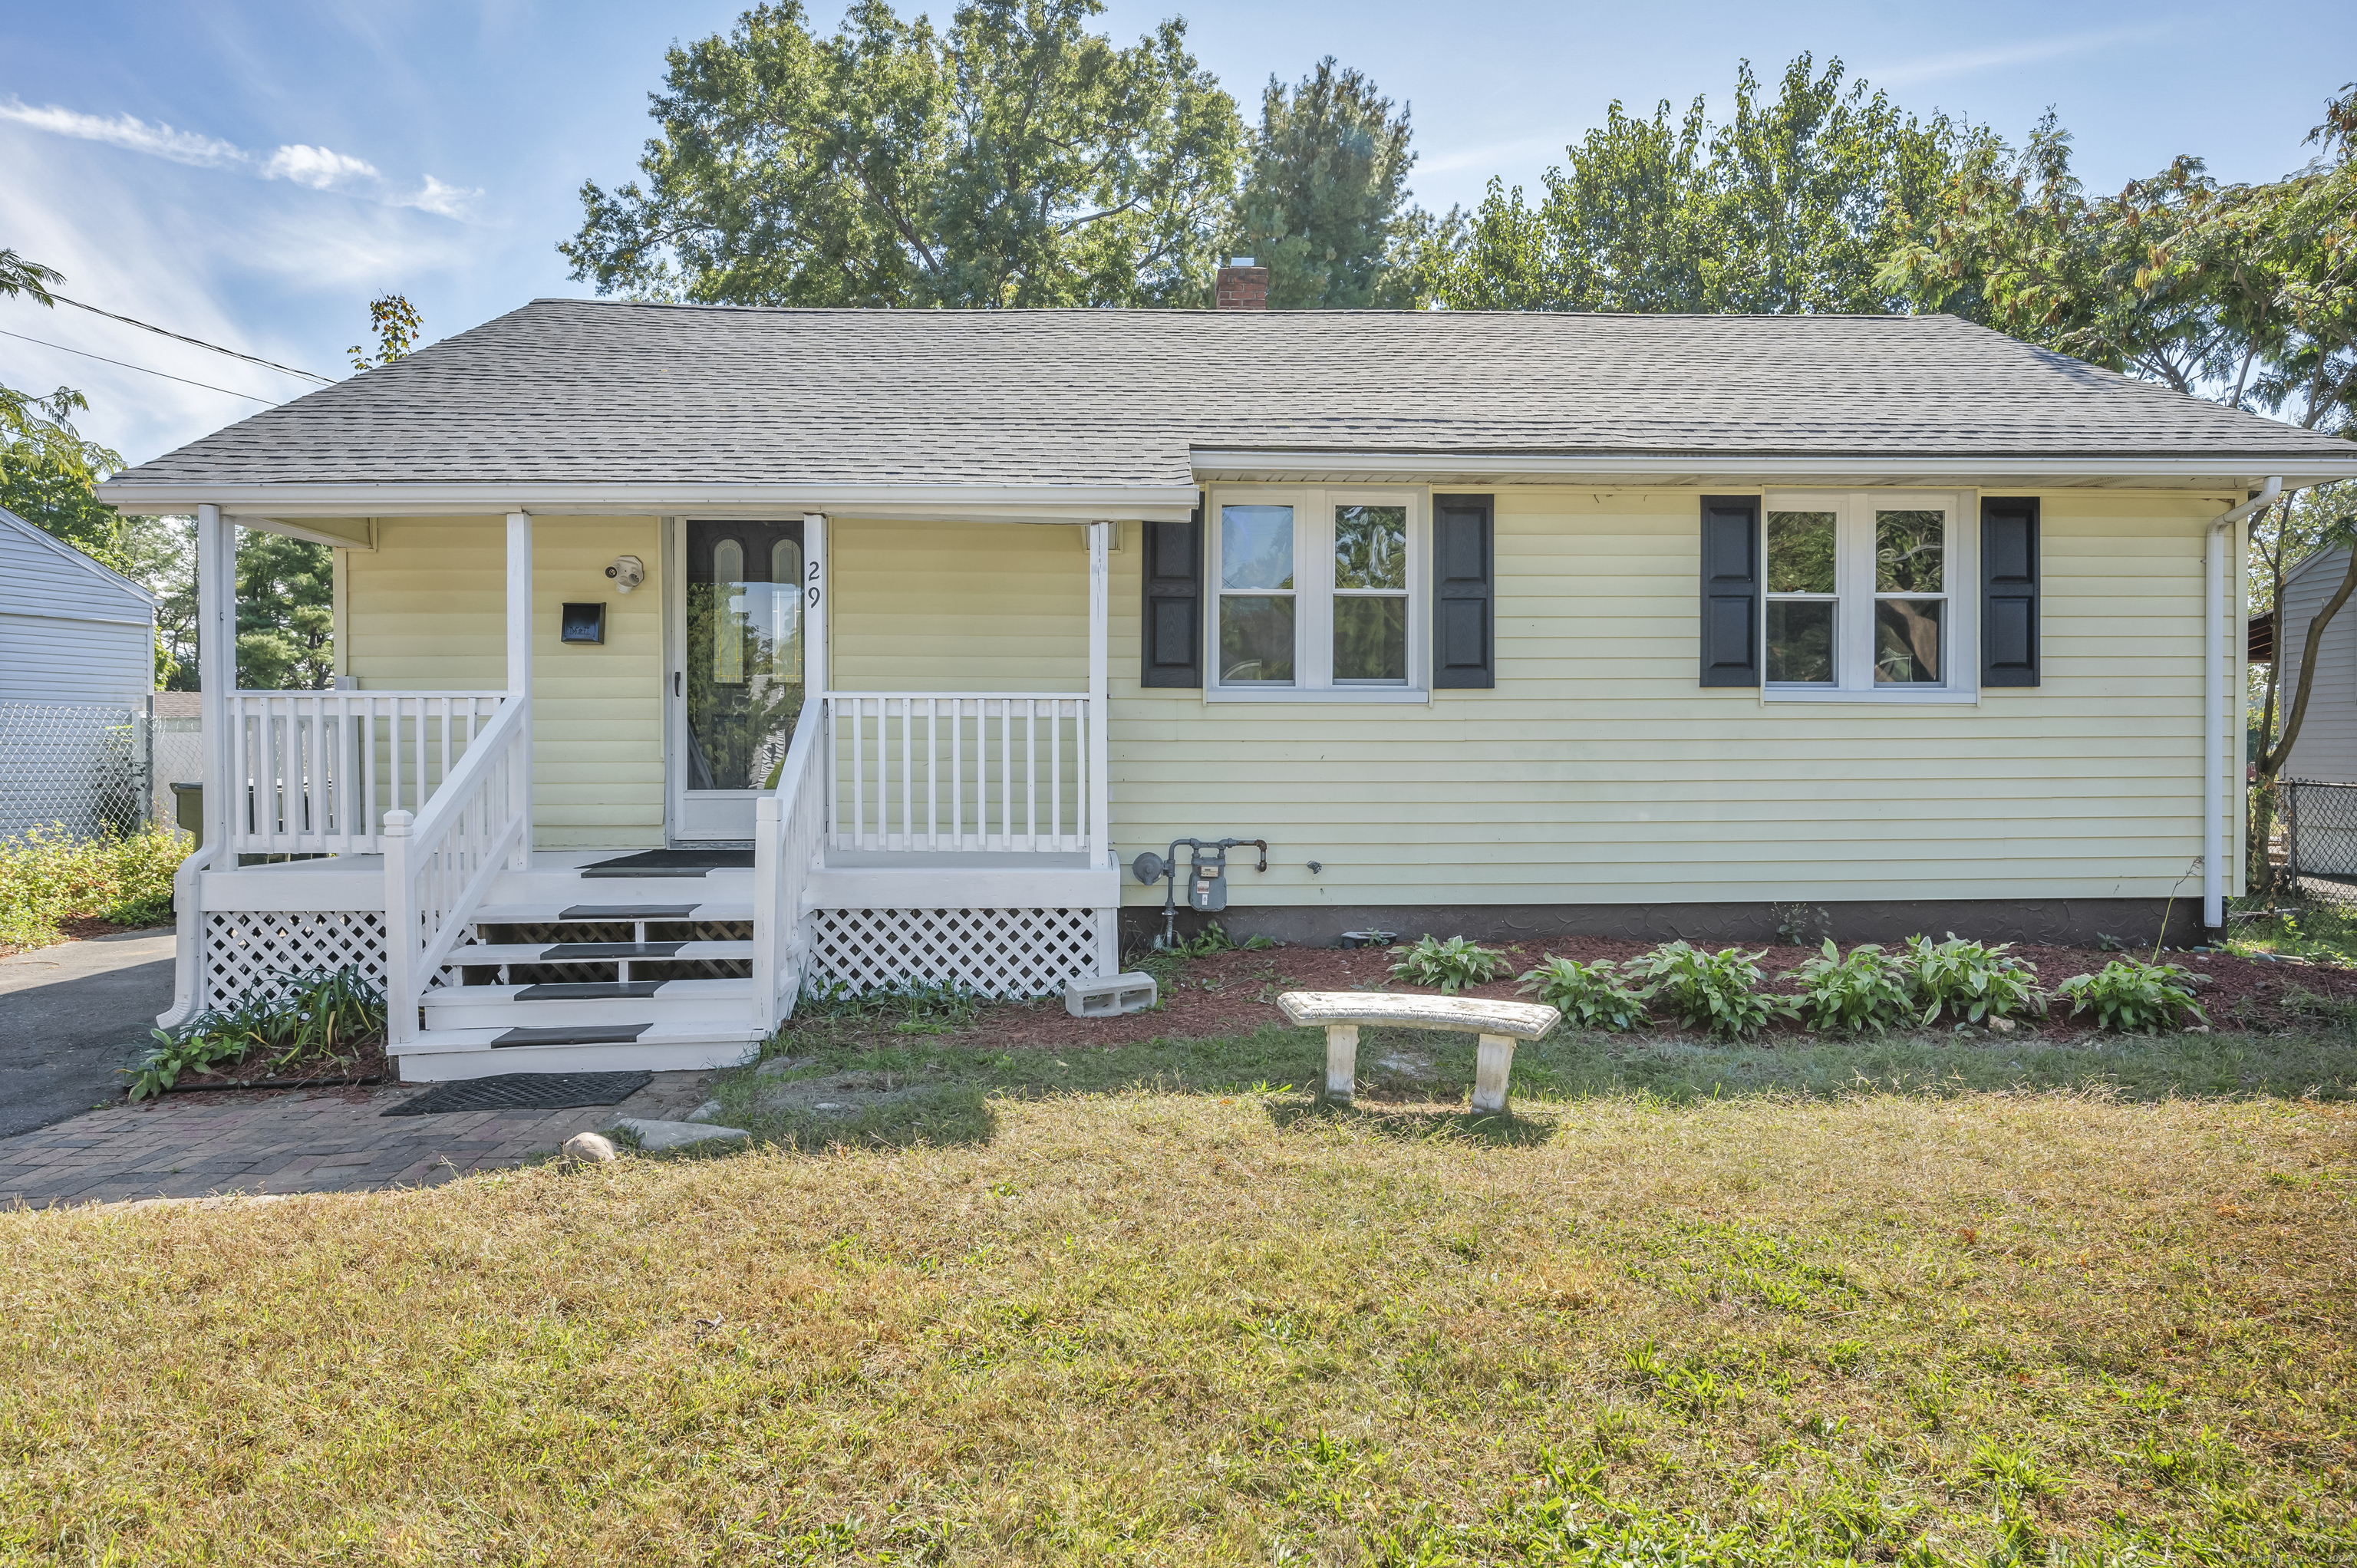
1186,1327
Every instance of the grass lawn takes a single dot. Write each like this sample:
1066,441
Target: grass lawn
1932,1300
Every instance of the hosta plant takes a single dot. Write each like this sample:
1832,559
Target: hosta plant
1871,989
2129,994
1451,965
1969,982
1718,992
1588,995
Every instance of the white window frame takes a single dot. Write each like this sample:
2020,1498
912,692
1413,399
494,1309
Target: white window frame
1313,594
1853,585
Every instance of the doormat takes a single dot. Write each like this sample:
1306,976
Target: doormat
671,863
526,1091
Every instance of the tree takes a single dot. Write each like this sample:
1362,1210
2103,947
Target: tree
1791,206
1322,199
286,618
1020,160
396,324
2245,294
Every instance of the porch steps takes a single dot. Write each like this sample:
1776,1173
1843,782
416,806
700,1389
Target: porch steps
561,973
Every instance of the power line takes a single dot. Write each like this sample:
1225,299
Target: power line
199,342
127,365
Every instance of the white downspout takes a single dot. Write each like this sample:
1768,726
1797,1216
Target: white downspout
2215,701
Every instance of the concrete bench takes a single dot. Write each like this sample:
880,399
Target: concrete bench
1500,1024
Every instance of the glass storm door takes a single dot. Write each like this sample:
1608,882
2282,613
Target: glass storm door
735,686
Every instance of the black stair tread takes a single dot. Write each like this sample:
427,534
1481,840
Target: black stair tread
574,1035
567,952
671,863
588,990
629,912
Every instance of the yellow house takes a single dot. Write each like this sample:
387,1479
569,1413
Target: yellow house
690,656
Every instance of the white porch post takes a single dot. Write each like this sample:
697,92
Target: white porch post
1100,751
217,674
519,673
817,670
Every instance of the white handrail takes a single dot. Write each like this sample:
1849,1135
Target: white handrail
314,772
788,823
945,772
439,862
187,951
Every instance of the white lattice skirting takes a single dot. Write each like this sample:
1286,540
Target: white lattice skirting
998,952
242,950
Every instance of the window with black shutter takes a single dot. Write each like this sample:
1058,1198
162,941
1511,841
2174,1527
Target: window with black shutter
2009,591
1730,590
1172,616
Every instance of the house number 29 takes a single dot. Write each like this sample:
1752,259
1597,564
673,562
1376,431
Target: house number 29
812,575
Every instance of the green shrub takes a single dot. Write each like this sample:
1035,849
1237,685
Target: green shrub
1868,990
1591,995
2129,994
925,1008
47,876
296,1022
1970,982
1451,965
1718,991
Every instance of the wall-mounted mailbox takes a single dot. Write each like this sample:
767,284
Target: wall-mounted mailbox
585,623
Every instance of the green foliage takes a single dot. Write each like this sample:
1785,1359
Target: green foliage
298,1023
396,324
1715,991
1018,159
1792,204
2129,994
286,613
1868,990
47,876
1589,995
1970,982
1322,199
1451,965
922,1007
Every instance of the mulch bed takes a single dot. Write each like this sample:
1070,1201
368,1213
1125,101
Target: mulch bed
1235,992
366,1065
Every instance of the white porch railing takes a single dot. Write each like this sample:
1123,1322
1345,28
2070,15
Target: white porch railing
439,862
315,772
947,772
788,823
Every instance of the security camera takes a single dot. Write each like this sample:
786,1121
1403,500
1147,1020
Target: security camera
627,571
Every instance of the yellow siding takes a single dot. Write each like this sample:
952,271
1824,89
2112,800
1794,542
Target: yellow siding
959,607
428,610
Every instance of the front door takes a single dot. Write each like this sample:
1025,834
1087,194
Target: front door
736,677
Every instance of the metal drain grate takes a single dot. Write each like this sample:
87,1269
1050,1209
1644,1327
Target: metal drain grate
526,1091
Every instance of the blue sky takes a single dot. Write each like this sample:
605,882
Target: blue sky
253,174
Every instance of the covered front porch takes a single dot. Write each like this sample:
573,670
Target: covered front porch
953,837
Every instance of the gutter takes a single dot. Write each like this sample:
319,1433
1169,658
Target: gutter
1980,468
2215,701
1040,503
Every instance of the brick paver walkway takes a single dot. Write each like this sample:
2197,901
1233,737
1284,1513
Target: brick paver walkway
191,1146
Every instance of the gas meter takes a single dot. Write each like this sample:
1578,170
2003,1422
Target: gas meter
1206,873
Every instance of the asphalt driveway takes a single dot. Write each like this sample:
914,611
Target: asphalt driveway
70,1016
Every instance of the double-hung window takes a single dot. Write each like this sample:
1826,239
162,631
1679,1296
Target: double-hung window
1319,595
1863,596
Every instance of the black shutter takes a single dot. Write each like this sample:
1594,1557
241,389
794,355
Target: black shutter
2009,591
1464,591
1730,590
1172,617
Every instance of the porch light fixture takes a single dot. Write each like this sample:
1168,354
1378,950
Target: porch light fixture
627,571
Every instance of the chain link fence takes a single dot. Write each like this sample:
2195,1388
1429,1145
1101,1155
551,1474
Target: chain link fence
2319,828
85,767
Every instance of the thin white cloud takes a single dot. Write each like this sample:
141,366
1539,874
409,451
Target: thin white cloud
1963,62
1484,156
128,132
316,169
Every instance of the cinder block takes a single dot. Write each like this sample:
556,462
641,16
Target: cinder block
1131,992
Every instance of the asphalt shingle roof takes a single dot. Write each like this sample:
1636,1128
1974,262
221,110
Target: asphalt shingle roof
594,391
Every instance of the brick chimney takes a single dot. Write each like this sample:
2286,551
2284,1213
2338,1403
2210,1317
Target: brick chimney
1241,286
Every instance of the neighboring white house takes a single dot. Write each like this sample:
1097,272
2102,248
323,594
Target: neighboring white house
77,663
2326,748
